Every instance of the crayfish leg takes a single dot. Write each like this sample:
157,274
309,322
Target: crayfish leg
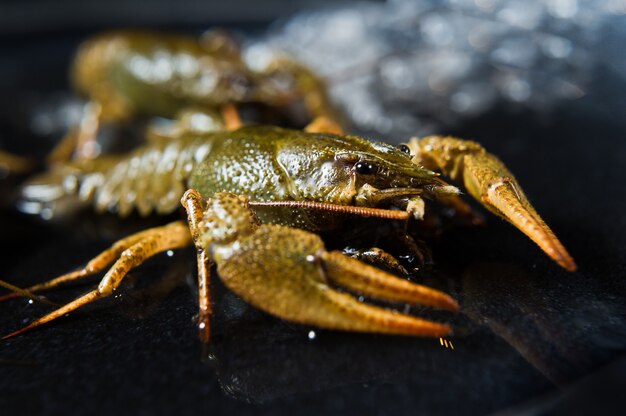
194,206
462,209
232,121
306,86
80,142
204,296
322,124
287,272
379,257
171,236
95,265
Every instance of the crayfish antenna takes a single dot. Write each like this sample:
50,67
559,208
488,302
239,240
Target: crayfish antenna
57,313
18,291
50,284
30,291
11,295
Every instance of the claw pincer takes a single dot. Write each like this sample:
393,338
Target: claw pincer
488,180
288,273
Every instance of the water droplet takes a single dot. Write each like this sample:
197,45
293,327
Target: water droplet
312,335
169,253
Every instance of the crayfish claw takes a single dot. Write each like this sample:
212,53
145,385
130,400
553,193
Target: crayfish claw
489,181
505,198
344,312
287,272
370,281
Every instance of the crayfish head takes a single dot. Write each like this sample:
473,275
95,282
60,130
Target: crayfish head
332,168
390,171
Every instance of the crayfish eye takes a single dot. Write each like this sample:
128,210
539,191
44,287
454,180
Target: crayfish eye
404,149
365,168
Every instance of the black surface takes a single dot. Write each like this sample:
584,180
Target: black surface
531,337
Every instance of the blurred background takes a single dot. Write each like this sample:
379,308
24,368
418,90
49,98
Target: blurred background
542,84
398,68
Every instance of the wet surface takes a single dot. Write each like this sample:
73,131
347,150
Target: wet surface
529,335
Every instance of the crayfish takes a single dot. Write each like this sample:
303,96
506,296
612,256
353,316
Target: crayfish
254,196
